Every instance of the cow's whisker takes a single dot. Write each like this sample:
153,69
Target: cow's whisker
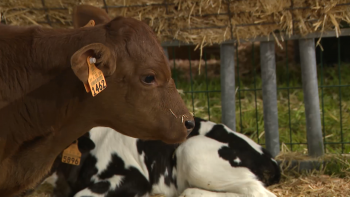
173,113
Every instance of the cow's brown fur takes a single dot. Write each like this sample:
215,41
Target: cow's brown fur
44,106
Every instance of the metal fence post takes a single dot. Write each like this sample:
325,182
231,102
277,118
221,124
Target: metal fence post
228,90
269,92
311,101
166,51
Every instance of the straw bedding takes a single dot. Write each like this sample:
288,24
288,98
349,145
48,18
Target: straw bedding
314,185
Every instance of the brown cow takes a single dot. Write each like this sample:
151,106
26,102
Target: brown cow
43,103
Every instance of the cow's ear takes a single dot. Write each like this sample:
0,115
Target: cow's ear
82,14
105,60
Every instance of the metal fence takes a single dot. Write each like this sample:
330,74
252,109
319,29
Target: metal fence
305,108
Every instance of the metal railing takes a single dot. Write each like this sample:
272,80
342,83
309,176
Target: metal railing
311,86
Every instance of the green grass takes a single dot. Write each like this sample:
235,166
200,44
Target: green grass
291,114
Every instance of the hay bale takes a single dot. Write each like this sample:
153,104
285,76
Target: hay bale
202,22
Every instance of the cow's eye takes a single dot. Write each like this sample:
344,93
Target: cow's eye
149,79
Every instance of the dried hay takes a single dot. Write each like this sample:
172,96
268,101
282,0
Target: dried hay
202,22
332,180
312,185
44,190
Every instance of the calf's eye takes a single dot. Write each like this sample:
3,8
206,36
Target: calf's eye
149,79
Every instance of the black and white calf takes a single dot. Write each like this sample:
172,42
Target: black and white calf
216,160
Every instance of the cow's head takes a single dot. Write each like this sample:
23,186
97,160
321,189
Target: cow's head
141,99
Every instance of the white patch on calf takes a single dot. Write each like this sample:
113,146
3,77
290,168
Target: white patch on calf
237,160
109,141
162,188
51,179
207,126
154,162
274,161
174,172
87,193
196,192
115,181
199,165
166,172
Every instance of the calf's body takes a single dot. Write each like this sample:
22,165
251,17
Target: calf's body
214,158
44,106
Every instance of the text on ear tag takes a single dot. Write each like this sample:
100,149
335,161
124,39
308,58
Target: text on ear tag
96,78
71,155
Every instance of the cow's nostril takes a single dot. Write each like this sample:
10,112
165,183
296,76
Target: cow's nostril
189,124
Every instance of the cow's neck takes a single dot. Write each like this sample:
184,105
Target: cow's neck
44,111
45,54
56,98
39,126
56,47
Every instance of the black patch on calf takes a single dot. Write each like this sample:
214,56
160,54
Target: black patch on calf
229,155
71,178
273,176
100,187
75,178
161,156
85,144
260,164
115,167
88,169
133,182
197,126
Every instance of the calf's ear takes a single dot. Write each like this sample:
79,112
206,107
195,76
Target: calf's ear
85,144
105,60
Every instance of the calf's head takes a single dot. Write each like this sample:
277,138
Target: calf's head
141,99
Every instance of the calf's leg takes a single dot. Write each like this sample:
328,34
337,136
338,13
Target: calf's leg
196,192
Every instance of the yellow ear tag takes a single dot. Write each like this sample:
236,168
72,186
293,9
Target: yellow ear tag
91,23
71,155
96,79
